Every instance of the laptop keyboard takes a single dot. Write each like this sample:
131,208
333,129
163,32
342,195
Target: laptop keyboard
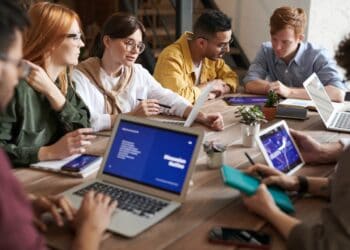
127,200
342,120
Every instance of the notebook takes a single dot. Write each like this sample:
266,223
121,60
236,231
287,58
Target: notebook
56,166
194,112
146,168
249,184
334,118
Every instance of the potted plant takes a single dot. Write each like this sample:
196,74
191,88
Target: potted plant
251,117
270,107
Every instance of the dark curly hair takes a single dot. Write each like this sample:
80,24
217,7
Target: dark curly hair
342,56
211,22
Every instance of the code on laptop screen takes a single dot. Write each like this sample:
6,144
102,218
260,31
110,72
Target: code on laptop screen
152,156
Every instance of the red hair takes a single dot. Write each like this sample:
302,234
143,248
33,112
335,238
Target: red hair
49,25
288,17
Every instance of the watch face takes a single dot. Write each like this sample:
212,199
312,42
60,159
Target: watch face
347,96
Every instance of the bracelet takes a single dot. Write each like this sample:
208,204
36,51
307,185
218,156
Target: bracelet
303,185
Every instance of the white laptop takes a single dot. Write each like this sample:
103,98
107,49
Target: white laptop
146,168
194,112
334,118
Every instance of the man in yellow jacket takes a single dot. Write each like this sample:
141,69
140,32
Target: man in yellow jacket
195,59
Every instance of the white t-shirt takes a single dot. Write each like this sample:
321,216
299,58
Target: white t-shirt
143,86
197,72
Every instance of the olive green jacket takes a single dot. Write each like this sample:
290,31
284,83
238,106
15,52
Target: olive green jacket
29,123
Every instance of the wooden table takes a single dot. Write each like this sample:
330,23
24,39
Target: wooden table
209,202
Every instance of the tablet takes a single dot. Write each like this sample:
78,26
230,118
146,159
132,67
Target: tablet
249,100
279,148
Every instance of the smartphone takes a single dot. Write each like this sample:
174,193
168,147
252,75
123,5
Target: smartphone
79,163
239,237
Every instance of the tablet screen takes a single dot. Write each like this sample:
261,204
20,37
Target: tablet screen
239,100
280,149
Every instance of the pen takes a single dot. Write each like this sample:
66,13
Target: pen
98,134
249,158
162,105
253,163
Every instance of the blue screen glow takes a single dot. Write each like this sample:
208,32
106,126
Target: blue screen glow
152,156
280,149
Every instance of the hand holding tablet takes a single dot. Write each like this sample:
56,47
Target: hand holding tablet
279,149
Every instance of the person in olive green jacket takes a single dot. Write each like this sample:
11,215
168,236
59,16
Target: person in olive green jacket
46,119
195,59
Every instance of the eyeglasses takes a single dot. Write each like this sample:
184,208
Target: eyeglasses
22,67
131,45
75,36
221,46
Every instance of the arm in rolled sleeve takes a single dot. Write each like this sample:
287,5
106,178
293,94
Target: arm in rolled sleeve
254,81
325,68
225,73
170,74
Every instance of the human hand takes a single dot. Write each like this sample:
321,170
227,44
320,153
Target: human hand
280,89
272,176
54,205
310,149
219,87
147,107
214,120
71,143
94,213
211,96
39,80
261,202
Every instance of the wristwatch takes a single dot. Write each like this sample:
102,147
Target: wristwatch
303,185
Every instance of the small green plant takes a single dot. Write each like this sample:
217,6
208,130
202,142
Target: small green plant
250,115
272,99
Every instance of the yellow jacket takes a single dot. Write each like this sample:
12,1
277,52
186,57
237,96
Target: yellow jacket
174,70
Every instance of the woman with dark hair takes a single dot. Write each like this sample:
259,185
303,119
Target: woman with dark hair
111,83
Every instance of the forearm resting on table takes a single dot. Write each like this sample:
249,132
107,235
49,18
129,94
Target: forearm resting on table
257,87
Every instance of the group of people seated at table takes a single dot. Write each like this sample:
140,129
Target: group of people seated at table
51,105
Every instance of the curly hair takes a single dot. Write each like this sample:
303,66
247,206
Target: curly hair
342,56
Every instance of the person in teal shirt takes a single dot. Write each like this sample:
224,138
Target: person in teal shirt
46,119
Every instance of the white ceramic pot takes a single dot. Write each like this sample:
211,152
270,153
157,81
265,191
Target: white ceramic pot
216,159
248,134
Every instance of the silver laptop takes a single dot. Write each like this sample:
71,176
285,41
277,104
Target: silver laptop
146,168
334,118
194,112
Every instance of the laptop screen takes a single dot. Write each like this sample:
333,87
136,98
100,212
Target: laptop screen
320,97
151,156
281,149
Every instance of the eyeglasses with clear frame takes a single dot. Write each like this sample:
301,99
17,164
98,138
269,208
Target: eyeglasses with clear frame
22,67
75,36
131,45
